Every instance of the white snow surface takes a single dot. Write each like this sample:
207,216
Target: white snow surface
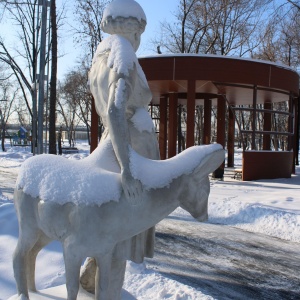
271,207
53,178
160,173
121,58
125,9
119,93
56,179
142,121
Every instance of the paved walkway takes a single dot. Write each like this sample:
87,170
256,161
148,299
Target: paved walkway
8,177
227,263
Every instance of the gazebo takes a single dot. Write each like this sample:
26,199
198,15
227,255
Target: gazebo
221,81
224,82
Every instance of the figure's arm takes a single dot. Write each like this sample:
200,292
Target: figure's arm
120,89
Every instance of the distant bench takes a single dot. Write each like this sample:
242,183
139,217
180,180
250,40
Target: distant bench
238,174
69,150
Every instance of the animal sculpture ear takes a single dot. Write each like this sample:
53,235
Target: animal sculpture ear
210,163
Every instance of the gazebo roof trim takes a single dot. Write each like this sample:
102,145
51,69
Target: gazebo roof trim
277,64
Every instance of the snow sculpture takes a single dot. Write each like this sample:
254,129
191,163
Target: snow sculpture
106,206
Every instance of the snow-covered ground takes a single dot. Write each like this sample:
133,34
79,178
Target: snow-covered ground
270,207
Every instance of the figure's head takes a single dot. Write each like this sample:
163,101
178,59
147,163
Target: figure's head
124,17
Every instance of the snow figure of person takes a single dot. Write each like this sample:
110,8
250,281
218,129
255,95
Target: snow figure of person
122,95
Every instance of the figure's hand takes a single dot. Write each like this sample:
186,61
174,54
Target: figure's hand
132,188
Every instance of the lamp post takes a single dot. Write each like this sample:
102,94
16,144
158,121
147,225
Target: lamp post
41,77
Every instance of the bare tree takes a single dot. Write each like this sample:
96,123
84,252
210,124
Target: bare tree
280,41
295,3
209,26
75,89
7,97
23,58
235,26
68,109
88,33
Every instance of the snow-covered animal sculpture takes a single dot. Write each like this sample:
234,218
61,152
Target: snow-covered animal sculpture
92,227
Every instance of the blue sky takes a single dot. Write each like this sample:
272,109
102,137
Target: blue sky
156,12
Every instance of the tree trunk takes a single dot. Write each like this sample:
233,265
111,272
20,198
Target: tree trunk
53,81
3,138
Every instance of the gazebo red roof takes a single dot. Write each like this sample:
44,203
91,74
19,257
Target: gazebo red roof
215,75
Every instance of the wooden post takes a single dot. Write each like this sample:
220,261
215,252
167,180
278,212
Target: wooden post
172,132
231,136
207,122
221,114
254,118
163,125
267,127
297,129
190,124
290,123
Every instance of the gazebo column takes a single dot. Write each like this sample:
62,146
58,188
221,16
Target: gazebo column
290,123
221,113
297,125
94,127
267,127
163,127
207,122
231,135
190,124
254,118
291,129
172,135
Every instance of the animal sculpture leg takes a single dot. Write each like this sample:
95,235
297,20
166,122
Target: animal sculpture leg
102,291
72,267
31,260
20,261
118,268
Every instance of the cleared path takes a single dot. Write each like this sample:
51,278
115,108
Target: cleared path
227,263
8,177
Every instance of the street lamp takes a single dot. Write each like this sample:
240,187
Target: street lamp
41,89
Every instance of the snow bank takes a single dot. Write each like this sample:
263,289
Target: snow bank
256,218
146,284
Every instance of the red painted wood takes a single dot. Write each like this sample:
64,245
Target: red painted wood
267,165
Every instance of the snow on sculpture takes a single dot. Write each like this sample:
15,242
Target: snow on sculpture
106,205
